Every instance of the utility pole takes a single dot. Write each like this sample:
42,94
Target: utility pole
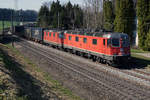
12,21
74,19
21,17
16,4
58,20
16,8
3,25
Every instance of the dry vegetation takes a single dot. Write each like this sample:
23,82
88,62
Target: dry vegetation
20,79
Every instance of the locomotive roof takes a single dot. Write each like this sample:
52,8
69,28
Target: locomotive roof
115,35
101,34
96,34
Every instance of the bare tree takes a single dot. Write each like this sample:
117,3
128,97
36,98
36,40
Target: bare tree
48,4
93,13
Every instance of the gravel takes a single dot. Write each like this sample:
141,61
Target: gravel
85,87
98,66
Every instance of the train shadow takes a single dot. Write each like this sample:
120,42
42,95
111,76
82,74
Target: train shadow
27,86
135,63
9,39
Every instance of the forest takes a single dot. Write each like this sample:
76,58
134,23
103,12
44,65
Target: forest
19,15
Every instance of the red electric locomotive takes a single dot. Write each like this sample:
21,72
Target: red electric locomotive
110,48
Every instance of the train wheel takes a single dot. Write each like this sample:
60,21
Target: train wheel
94,58
80,53
77,53
109,63
103,61
100,60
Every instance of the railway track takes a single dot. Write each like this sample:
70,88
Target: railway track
116,86
142,72
139,73
144,75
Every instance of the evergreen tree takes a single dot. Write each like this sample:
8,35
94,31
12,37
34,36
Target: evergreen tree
108,15
117,6
78,16
69,16
43,17
19,15
125,17
55,13
62,17
69,9
148,27
143,13
147,41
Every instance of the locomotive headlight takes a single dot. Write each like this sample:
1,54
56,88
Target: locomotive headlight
121,50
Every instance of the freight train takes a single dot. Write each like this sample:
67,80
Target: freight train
105,47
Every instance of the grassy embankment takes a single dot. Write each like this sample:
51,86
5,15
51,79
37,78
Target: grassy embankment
139,51
21,76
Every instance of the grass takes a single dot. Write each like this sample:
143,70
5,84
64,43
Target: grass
55,85
58,87
139,51
5,83
140,56
6,24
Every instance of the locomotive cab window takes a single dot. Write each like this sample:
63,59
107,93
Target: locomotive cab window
77,39
104,42
69,37
94,41
125,41
115,42
108,42
85,40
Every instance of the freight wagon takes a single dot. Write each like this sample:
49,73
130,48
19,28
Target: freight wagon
34,33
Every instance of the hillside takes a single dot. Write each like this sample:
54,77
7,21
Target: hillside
20,79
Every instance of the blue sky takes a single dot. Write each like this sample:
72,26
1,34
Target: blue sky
30,4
